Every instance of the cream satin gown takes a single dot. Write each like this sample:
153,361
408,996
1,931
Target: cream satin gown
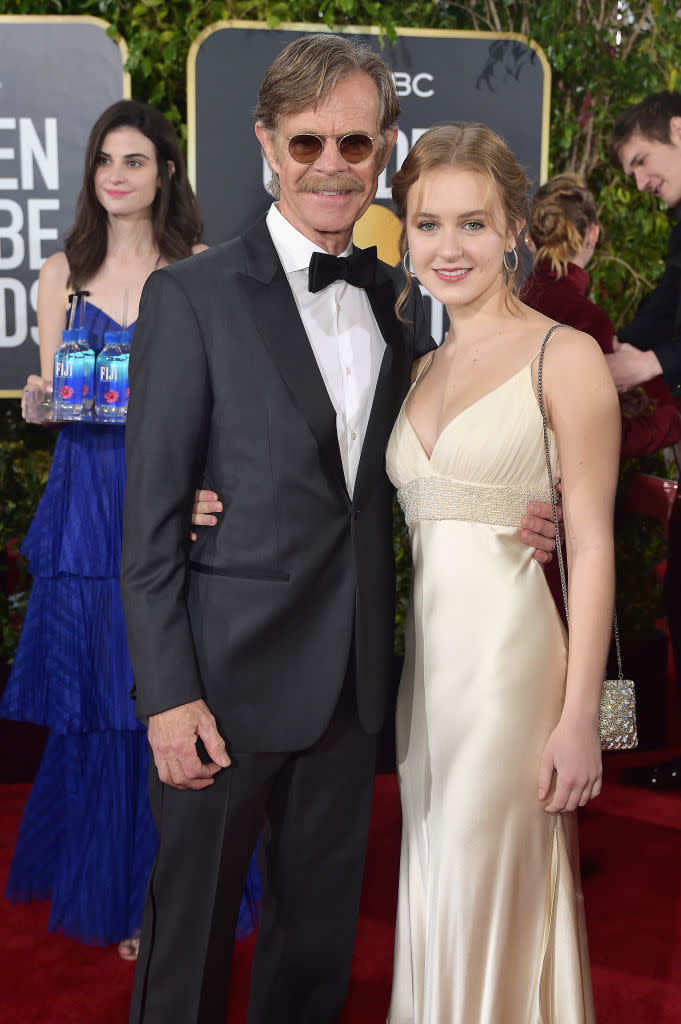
490,921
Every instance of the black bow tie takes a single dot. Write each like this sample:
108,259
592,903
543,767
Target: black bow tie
358,269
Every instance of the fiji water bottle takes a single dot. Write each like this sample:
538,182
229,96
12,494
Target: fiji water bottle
126,338
88,368
111,378
67,387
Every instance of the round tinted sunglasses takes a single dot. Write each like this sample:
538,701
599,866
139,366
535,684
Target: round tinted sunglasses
354,148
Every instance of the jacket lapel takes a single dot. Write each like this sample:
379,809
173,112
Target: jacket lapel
276,317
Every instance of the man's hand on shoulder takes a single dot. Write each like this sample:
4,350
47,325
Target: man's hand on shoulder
172,737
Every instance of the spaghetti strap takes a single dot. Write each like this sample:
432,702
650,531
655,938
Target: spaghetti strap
552,328
426,365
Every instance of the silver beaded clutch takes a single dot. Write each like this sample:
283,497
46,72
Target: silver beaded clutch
617,716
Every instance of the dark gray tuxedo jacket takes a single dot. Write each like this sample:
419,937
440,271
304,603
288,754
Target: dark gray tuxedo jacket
657,324
261,615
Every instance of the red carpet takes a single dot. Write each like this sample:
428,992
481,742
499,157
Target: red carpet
631,853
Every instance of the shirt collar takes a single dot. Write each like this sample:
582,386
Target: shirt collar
293,248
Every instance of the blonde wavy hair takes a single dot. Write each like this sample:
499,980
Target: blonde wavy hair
562,212
473,147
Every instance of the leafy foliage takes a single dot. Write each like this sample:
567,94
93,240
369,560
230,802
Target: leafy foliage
604,54
25,454
640,546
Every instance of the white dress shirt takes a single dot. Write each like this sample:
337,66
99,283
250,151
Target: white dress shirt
344,336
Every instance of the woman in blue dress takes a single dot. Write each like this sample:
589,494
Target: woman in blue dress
87,839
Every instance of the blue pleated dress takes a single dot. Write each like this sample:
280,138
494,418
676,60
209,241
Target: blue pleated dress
87,839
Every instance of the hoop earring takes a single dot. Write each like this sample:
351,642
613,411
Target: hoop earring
514,253
405,263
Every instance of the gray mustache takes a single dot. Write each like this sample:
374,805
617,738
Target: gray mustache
341,183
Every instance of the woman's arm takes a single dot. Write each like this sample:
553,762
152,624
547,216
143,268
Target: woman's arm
52,302
583,410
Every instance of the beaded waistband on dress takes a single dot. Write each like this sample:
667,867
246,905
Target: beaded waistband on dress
443,497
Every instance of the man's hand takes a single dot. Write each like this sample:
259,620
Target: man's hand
206,504
173,735
630,366
538,531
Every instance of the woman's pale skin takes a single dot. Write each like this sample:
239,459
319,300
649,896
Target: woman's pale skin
126,179
457,238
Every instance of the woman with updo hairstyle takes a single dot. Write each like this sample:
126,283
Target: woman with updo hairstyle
497,721
563,232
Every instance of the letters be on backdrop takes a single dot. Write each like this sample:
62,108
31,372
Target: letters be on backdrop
29,171
57,75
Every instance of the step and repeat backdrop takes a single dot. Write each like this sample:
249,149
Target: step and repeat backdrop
501,80
58,74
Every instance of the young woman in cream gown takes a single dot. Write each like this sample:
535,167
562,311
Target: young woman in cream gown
497,721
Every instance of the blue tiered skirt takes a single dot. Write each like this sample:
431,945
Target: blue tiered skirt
87,839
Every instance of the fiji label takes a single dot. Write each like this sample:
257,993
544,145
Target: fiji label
68,374
112,389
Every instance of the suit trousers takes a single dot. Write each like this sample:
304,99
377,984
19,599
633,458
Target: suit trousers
316,805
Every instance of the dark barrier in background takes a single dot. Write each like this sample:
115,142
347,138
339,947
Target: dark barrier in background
57,75
500,79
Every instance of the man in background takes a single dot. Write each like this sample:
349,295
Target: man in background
646,145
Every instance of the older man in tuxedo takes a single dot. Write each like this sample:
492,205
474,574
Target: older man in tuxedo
269,370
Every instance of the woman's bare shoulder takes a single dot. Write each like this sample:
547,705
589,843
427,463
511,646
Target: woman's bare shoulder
55,270
201,247
570,350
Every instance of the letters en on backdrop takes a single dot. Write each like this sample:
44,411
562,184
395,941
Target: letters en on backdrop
57,75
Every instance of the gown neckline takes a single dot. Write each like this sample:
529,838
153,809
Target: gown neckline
462,412
93,305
